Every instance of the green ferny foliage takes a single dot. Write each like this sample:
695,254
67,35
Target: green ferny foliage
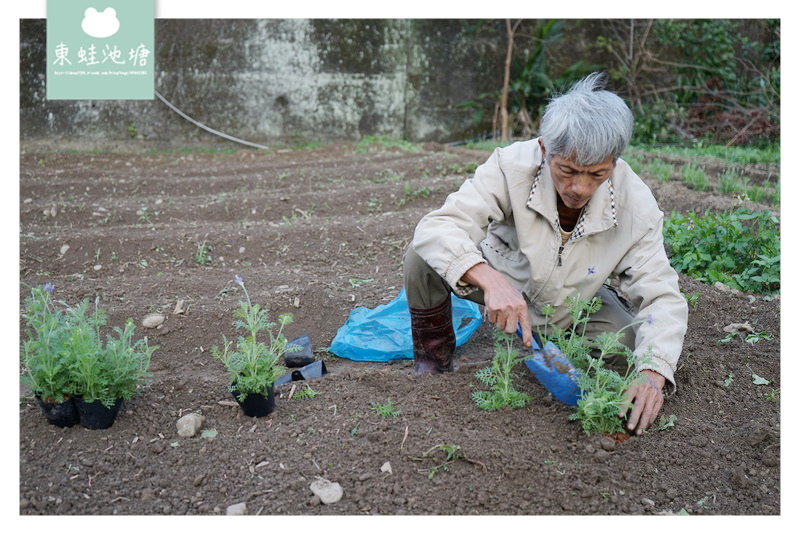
253,364
64,354
46,363
499,377
602,389
387,409
306,394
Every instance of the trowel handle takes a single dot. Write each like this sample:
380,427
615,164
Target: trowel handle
534,344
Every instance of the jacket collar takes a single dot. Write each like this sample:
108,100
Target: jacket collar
599,214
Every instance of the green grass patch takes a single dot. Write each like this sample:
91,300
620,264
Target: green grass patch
659,169
695,177
487,145
193,150
758,194
740,155
731,182
371,143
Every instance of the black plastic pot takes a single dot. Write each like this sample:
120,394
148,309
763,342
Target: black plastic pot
256,404
62,414
95,415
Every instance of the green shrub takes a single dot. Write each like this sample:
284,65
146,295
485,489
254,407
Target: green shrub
740,249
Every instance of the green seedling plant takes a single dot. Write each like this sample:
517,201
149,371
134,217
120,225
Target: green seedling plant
386,410
750,338
728,381
772,396
202,255
665,423
45,362
692,299
602,389
499,377
660,169
306,394
64,354
451,454
253,364
572,342
410,195
731,182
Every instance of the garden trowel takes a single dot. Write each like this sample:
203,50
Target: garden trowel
553,370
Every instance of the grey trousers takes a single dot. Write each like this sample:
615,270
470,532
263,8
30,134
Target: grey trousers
425,289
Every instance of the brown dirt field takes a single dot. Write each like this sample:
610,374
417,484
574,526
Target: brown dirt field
298,226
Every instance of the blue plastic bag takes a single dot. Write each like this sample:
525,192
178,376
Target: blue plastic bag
384,333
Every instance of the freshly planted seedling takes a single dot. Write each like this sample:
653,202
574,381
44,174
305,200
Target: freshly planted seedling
306,394
665,423
751,337
410,195
202,255
692,299
253,364
602,389
452,453
499,377
387,409
728,380
772,396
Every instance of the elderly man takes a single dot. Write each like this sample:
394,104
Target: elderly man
549,218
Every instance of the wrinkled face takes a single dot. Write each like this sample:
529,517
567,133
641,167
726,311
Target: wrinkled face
576,184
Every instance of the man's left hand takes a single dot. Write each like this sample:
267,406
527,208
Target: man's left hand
647,399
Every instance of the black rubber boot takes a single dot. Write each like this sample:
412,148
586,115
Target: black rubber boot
434,339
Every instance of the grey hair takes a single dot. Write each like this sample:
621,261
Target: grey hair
587,124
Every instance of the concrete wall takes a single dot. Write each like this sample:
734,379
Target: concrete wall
281,81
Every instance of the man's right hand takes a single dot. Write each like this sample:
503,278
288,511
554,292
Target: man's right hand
504,304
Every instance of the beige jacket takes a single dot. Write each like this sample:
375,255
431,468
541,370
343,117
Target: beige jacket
506,216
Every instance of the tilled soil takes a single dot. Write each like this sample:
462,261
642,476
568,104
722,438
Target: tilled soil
317,233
